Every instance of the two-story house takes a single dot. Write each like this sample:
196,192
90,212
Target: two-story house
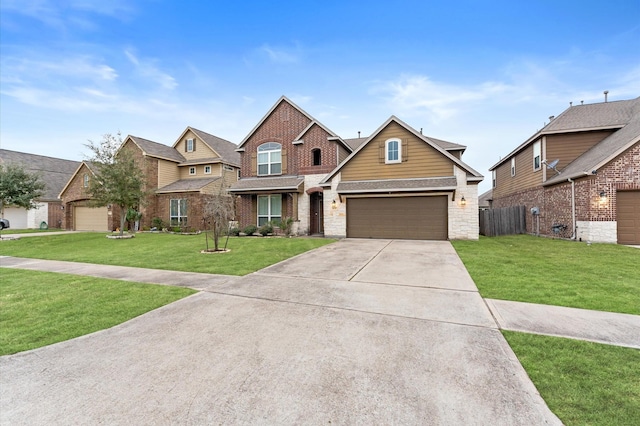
579,176
176,177
395,183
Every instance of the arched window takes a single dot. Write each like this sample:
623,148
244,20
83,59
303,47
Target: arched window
269,159
393,153
316,156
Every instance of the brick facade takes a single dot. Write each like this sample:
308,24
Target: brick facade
554,202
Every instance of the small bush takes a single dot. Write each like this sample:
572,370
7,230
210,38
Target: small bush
250,229
266,229
234,232
285,225
176,229
156,222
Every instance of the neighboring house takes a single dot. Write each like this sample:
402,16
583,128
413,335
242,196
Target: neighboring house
396,183
581,171
401,184
284,158
485,200
177,178
55,173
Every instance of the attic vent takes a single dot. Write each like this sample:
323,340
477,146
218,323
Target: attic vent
551,117
606,95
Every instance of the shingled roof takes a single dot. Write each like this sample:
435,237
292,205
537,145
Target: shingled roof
55,172
187,185
157,150
224,148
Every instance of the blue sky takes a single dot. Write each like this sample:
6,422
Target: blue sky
486,74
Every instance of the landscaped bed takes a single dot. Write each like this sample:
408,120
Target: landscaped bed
531,269
163,251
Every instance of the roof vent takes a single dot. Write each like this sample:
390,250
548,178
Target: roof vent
358,133
551,117
581,102
606,95
571,103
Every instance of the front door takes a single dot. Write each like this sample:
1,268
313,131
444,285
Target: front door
316,221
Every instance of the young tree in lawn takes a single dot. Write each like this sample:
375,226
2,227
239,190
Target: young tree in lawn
118,180
19,187
218,210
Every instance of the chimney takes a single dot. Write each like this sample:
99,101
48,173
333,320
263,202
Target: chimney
606,93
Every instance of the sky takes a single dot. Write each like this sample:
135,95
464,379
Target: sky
485,74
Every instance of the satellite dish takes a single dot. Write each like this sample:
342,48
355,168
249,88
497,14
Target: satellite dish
553,164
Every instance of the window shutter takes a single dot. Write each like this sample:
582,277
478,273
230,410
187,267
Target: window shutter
254,164
185,145
284,161
405,150
194,145
381,149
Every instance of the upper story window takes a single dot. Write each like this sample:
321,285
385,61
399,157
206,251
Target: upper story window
316,157
513,166
269,159
207,170
190,146
192,170
85,180
537,155
392,151
493,178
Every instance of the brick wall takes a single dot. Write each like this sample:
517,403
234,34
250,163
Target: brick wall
195,204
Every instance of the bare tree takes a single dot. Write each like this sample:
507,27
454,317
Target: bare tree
217,212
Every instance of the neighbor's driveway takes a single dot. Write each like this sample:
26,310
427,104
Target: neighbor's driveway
360,331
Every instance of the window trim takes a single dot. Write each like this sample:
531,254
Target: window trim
387,144
513,166
181,219
537,144
493,178
207,170
269,216
192,171
85,180
269,148
190,145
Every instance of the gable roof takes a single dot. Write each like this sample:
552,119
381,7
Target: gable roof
156,150
312,120
475,176
581,118
225,149
55,172
88,164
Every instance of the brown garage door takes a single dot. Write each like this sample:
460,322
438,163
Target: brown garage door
410,218
628,215
91,219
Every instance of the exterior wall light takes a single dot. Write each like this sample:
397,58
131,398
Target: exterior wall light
603,196
334,205
463,202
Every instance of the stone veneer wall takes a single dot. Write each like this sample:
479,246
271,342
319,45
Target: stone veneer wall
335,217
464,220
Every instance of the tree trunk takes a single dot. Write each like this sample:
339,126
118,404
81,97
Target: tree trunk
122,219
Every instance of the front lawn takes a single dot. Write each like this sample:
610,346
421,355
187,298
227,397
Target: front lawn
524,268
163,251
583,383
41,308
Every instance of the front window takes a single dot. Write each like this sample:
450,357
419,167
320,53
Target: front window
269,159
207,170
192,170
537,156
178,212
392,152
269,208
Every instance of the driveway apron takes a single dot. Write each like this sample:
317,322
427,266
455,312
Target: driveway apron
357,332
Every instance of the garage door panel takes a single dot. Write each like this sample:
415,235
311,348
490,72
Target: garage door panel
628,217
91,219
416,218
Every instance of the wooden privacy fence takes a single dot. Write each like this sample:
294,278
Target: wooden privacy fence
503,221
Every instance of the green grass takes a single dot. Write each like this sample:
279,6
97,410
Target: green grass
583,383
41,308
163,251
524,268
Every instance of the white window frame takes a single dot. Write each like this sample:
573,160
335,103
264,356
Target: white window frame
513,166
207,170
272,200
190,145
537,154
192,171
181,208
493,178
398,151
265,157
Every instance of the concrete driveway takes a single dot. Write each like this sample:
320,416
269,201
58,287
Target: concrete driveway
357,332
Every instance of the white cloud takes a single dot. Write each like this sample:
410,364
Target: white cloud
280,55
147,69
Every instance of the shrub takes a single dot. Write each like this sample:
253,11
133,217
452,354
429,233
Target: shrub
234,232
285,225
266,229
156,222
250,229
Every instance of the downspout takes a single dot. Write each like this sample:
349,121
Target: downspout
573,207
